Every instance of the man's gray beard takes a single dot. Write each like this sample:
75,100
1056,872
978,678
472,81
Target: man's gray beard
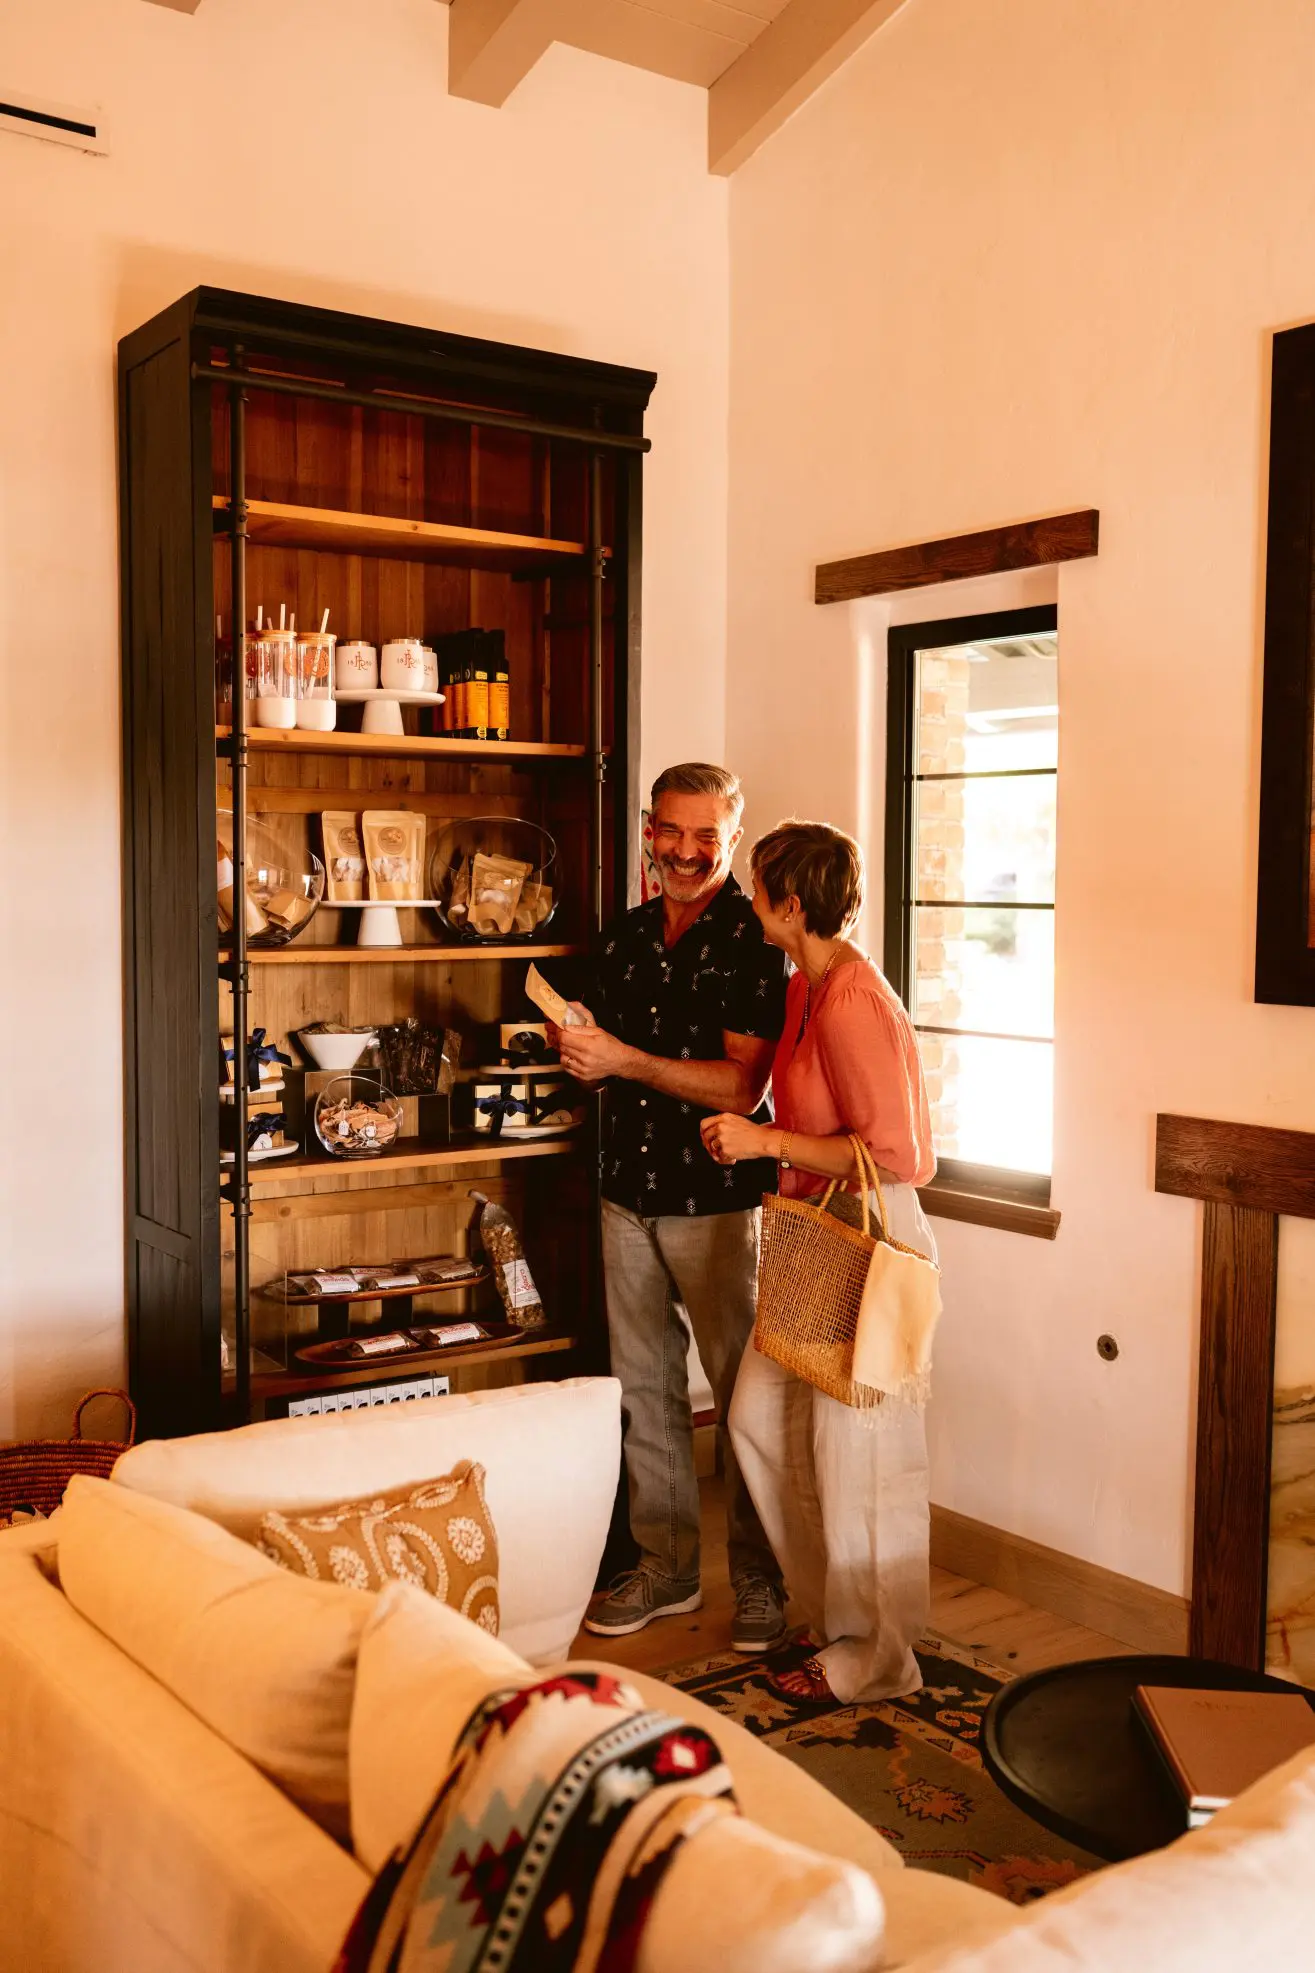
693,887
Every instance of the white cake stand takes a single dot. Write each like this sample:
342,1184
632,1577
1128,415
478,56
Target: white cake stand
380,924
383,709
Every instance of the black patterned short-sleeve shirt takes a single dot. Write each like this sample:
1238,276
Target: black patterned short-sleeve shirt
677,1001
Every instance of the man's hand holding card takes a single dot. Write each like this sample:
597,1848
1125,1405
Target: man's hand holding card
588,1052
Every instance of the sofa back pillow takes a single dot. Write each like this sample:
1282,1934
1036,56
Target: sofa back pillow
1239,1893
268,1661
734,1899
737,1899
551,1454
421,1671
439,1537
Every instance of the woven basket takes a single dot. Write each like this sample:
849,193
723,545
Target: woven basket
812,1269
33,1476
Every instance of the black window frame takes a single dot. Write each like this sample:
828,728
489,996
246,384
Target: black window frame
903,642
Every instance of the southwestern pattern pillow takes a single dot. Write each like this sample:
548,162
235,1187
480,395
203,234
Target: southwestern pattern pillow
438,1535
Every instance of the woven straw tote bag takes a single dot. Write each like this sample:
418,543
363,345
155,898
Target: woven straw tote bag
817,1276
33,1475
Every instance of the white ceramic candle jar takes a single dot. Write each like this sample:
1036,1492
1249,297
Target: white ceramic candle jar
357,668
402,666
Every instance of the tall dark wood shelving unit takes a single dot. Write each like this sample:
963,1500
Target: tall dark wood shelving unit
269,452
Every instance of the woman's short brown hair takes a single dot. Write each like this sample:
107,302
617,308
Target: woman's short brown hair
821,866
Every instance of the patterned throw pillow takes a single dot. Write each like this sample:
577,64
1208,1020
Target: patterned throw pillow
438,1535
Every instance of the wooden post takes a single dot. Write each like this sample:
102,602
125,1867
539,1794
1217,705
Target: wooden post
1235,1401
1246,1175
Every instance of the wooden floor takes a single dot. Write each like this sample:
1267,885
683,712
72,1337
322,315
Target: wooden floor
1014,1635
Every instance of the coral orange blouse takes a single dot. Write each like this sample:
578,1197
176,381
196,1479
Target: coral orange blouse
855,1067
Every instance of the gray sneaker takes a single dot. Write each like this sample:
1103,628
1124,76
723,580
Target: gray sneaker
637,1599
759,1624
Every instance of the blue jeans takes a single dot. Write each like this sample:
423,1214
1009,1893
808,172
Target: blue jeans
707,1265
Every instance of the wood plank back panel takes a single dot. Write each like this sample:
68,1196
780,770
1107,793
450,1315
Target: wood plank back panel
1272,1171
989,551
1233,1429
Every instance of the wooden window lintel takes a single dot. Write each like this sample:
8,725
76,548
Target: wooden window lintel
958,557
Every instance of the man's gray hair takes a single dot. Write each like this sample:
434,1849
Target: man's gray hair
698,777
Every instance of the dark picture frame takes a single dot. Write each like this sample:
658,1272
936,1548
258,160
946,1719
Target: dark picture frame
1285,895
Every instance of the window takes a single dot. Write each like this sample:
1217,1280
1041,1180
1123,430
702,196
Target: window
973,735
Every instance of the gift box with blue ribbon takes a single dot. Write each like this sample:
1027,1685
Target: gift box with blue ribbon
505,1103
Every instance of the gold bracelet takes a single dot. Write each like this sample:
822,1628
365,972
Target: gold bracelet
783,1155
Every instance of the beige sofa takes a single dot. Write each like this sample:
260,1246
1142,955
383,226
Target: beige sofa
141,1832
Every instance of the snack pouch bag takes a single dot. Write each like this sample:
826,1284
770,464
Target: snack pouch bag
496,883
394,843
344,857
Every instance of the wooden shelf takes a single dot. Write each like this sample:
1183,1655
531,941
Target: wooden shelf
268,739
400,955
420,1157
273,524
303,1382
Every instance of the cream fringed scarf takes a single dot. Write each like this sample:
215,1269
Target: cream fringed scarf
897,1316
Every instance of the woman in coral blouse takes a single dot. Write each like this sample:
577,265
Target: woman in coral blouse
842,1492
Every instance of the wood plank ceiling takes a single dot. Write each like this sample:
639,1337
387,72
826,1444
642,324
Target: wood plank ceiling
757,59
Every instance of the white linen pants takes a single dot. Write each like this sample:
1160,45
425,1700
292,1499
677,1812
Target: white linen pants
842,1495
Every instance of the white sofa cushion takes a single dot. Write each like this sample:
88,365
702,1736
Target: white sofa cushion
267,1659
422,1671
134,1839
551,1453
737,1899
1235,1897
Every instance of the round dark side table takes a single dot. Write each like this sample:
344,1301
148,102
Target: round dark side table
1065,1747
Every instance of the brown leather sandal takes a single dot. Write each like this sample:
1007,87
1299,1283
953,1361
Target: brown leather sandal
804,1684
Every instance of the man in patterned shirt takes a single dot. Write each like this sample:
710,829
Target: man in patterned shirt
686,1008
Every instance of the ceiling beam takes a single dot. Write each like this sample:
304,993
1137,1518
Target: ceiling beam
793,56
493,45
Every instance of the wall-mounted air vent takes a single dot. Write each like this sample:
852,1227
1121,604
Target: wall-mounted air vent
58,123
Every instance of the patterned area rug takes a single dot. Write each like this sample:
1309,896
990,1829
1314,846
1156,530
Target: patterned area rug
910,1767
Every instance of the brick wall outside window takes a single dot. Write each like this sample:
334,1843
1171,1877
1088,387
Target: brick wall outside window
939,873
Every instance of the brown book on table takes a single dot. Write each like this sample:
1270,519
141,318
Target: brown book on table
1215,1744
